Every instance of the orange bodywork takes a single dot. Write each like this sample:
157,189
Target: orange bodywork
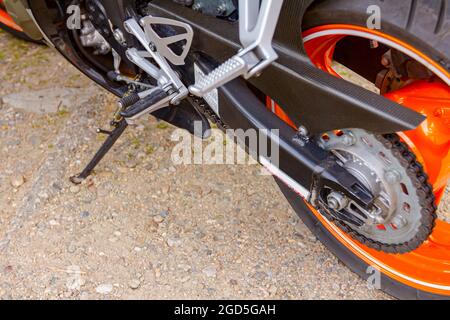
427,268
6,19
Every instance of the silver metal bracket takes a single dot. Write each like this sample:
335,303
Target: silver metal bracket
158,50
257,26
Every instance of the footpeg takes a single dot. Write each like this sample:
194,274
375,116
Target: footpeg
256,33
156,100
231,69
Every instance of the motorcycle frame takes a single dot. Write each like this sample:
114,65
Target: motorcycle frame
311,98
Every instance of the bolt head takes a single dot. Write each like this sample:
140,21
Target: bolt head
333,204
303,131
393,176
349,139
337,201
399,222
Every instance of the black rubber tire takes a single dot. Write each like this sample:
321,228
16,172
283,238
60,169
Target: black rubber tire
423,24
388,285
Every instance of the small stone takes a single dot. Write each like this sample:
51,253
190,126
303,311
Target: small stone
158,219
71,248
8,269
164,214
17,181
89,198
131,164
273,290
74,189
13,143
85,214
173,242
105,288
210,271
34,141
53,223
117,233
56,186
134,284
43,195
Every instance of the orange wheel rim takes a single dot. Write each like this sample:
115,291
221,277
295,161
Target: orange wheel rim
427,268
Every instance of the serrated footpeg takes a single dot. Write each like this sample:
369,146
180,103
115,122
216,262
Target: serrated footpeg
257,27
231,69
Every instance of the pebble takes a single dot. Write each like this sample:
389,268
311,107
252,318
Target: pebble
53,222
74,189
35,141
43,195
273,290
210,271
105,288
173,242
158,219
85,214
71,248
17,181
56,186
134,284
233,282
164,214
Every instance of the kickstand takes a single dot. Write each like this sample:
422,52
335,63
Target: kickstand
113,136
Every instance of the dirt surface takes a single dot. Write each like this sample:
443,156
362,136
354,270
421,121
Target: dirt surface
140,228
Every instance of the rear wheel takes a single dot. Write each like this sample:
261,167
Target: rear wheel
406,61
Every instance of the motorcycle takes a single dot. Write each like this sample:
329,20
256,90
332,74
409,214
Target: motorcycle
366,170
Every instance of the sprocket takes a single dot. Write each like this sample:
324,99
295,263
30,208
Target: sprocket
405,211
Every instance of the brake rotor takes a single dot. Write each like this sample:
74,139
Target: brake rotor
404,212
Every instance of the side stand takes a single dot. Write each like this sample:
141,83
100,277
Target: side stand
113,136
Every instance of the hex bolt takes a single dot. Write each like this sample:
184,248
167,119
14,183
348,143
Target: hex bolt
392,176
197,6
221,9
337,201
349,139
303,131
333,204
118,35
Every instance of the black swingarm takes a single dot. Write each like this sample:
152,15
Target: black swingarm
302,164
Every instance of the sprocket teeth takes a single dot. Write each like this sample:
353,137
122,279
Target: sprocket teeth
425,193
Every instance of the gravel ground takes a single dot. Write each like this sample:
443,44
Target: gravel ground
140,228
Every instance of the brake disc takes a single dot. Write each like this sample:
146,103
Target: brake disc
404,212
